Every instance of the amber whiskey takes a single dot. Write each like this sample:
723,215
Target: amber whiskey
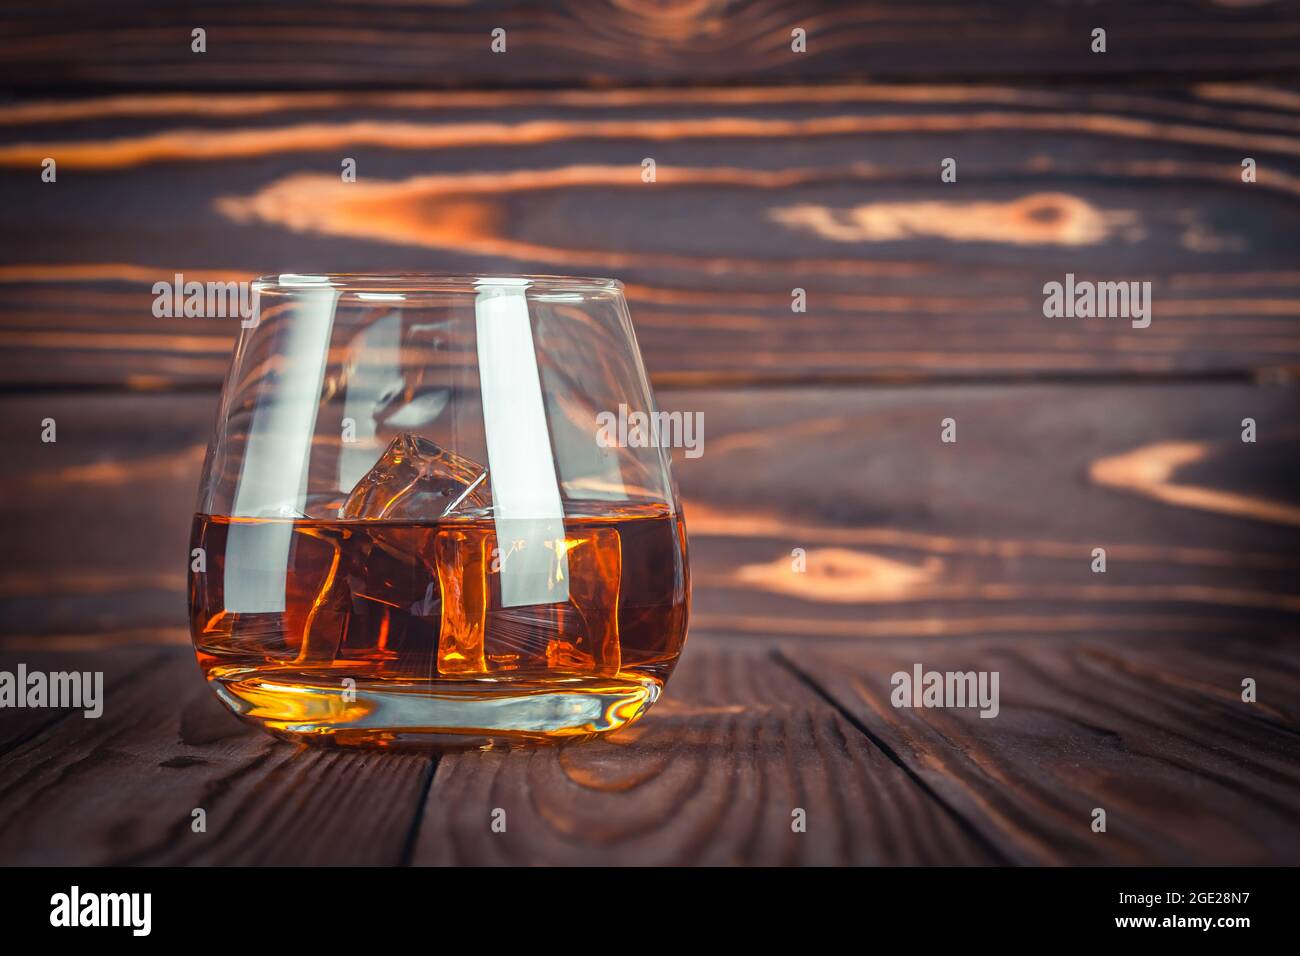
341,630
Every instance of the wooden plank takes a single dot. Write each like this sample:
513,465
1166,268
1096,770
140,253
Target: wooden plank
1186,772
712,776
301,44
121,789
758,191
902,534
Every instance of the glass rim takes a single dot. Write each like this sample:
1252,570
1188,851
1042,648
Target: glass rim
426,282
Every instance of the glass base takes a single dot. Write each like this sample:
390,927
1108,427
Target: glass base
446,714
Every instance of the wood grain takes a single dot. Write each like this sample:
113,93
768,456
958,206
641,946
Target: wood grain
831,190
299,44
1186,771
121,789
712,776
1155,734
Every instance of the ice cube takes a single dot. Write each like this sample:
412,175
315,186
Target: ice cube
376,594
462,560
395,594
578,635
326,622
416,479
382,582
595,582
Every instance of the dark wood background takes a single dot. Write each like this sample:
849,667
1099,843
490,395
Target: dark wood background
775,170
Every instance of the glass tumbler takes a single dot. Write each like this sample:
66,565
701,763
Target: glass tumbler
436,510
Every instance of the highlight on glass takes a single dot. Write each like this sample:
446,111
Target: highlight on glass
408,530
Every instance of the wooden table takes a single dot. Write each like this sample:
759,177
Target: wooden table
749,736
1119,690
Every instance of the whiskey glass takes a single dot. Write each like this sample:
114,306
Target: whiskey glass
416,526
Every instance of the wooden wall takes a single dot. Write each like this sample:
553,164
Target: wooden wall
776,170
